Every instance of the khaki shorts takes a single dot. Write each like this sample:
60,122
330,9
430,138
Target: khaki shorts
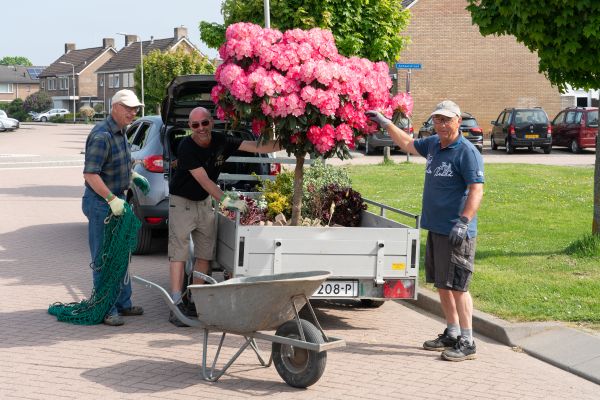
449,267
197,218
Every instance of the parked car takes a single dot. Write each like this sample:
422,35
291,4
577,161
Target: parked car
522,127
153,151
575,128
469,128
381,139
46,115
7,123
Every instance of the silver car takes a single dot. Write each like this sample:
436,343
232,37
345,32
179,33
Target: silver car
46,115
6,123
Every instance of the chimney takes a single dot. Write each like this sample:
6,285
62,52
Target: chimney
180,32
69,47
108,42
130,39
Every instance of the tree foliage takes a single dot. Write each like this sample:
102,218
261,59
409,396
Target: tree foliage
160,69
38,102
363,28
565,35
16,60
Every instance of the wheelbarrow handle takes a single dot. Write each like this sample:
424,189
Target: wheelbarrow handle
169,301
207,278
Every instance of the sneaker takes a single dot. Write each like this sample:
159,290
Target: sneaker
442,342
173,318
113,320
131,311
461,351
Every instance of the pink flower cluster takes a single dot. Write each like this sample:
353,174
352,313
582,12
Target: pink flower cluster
298,77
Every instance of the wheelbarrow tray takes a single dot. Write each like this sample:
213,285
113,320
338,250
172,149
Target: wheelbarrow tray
258,303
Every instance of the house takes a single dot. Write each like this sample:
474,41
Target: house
482,74
71,80
18,82
117,73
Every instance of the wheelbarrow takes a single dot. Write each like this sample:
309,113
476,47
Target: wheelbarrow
244,306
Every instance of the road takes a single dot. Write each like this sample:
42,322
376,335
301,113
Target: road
44,258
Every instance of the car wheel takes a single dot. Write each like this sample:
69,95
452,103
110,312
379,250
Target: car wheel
43,119
509,147
575,149
144,238
547,149
493,143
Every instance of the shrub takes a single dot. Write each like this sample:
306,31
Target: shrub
317,177
341,206
15,110
278,194
38,102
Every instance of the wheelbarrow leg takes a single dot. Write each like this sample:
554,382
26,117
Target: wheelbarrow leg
209,373
258,355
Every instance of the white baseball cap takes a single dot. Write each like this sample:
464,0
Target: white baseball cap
126,97
447,108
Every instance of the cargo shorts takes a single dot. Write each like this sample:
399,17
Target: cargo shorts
449,267
197,218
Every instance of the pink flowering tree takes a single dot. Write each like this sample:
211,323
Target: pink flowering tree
295,87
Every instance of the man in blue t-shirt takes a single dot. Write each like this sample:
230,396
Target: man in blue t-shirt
452,193
200,158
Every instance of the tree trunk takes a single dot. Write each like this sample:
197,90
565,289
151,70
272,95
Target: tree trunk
596,217
298,180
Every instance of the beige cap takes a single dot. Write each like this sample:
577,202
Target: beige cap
447,108
126,97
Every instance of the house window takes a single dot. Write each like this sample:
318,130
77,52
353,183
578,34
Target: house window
128,79
42,84
63,83
52,84
113,80
101,81
6,87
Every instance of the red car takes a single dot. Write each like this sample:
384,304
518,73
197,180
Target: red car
575,128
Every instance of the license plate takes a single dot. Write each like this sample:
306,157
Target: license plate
337,289
532,136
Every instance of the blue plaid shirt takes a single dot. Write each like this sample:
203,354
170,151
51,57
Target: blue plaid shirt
107,154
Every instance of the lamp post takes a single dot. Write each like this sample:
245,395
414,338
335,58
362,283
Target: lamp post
141,66
73,75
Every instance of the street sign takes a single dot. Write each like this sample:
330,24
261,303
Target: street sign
408,66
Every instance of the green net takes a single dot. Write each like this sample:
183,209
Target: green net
120,236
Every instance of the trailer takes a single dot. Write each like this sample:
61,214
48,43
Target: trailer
374,262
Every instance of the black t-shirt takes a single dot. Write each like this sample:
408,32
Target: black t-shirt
192,156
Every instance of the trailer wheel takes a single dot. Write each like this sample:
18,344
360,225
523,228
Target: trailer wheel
299,367
369,303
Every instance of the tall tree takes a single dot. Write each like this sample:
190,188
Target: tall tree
363,28
16,60
160,68
566,37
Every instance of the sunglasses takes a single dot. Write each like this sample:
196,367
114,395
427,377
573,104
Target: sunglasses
196,124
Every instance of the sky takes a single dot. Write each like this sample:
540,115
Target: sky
40,29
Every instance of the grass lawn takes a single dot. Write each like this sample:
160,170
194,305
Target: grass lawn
529,215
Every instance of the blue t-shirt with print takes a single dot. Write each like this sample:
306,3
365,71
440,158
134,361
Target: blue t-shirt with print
448,172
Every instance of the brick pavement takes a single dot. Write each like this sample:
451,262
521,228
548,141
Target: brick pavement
44,257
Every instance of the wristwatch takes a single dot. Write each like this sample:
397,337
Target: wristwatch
464,220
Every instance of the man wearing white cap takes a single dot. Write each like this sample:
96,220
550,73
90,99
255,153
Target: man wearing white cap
107,173
452,194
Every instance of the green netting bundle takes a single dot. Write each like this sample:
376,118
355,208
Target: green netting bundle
120,236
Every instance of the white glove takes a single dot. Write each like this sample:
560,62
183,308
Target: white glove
231,204
117,206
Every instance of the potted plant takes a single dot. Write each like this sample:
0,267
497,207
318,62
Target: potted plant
295,86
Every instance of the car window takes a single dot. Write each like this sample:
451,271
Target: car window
559,118
592,118
469,122
500,119
570,119
140,138
530,117
130,132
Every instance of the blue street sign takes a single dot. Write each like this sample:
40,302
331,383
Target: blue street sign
408,66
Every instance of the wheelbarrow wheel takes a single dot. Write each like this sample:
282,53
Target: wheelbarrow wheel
299,367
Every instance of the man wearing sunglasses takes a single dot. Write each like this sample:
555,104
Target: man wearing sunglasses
107,173
200,158
452,194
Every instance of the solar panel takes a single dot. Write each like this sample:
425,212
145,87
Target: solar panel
34,72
